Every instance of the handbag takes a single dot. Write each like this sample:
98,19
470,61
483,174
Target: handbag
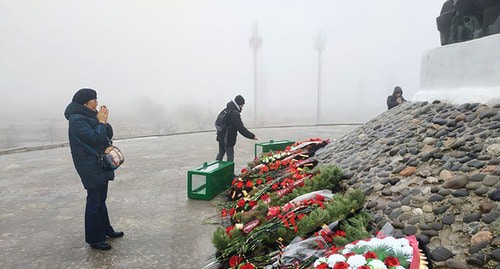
110,159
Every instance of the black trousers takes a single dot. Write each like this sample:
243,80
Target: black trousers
97,224
223,149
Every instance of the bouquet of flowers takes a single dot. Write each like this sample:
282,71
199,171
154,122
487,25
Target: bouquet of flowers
375,253
282,196
277,170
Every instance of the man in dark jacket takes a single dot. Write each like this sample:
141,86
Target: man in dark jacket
233,124
396,98
89,134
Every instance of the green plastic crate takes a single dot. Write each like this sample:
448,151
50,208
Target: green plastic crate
271,146
210,179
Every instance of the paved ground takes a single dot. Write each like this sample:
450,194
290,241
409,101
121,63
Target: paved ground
42,203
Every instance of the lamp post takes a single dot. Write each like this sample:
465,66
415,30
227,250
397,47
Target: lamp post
319,45
255,43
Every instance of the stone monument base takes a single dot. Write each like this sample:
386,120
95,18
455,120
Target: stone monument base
466,72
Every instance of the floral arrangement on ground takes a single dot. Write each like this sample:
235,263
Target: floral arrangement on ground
284,210
375,253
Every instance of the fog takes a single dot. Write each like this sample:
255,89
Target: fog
171,66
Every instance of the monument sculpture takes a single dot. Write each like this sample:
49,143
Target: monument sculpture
462,20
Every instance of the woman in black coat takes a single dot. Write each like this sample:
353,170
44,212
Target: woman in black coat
89,134
233,125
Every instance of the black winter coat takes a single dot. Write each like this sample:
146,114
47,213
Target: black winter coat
234,125
392,101
85,128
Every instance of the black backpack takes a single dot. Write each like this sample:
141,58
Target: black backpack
220,122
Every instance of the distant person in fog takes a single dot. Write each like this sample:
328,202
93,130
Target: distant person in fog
231,125
89,132
396,98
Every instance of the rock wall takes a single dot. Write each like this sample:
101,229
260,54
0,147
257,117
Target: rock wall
431,169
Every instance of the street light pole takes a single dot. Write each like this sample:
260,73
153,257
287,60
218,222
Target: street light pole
319,45
255,43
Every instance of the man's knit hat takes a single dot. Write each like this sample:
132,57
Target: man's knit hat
239,100
82,96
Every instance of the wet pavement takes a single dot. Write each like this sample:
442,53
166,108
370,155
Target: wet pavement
42,203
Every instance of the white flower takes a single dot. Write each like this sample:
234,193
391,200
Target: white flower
362,244
399,267
356,261
335,258
390,241
377,241
377,264
319,261
406,250
347,248
403,242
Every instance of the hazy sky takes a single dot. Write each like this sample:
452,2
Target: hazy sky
193,52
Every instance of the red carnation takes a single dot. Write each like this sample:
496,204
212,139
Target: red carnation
235,261
370,255
287,207
273,211
252,203
239,185
259,181
232,211
341,265
319,197
241,203
391,261
322,266
364,267
244,171
249,184
247,266
334,249
229,229
347,255
274,186
340,233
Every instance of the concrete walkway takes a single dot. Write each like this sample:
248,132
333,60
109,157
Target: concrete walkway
42,203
